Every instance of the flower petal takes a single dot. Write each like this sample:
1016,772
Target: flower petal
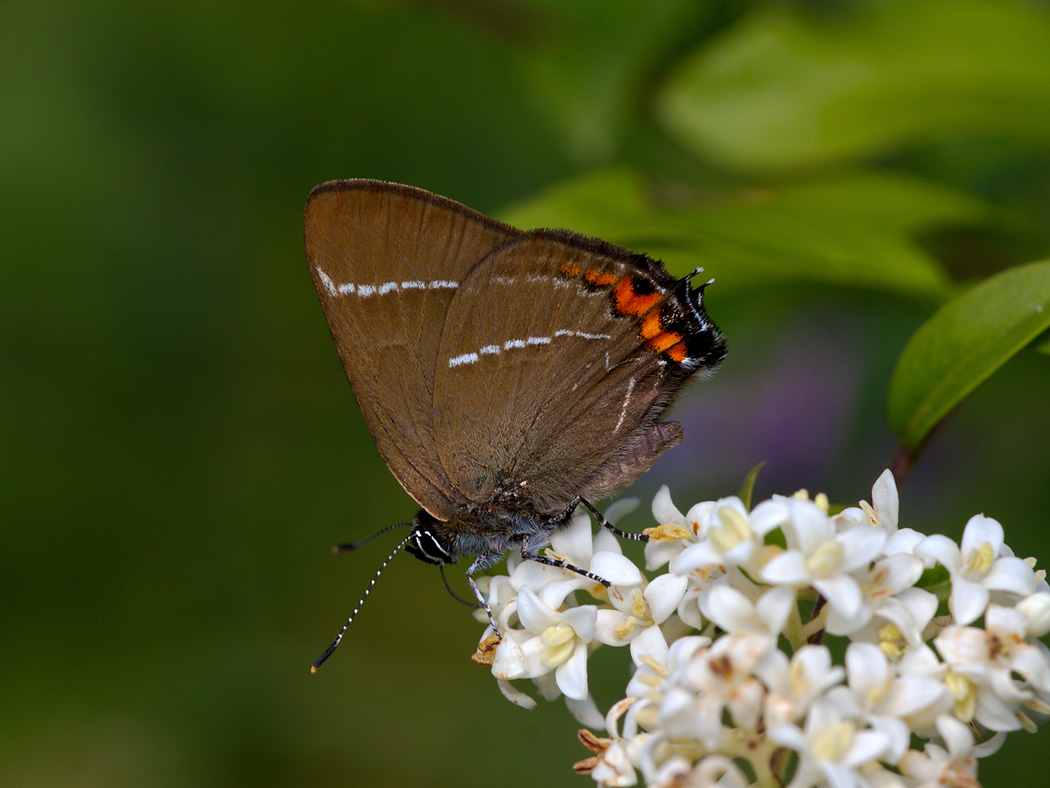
768,516
902,541
980,529
664,510
787,568
663,595
586,712
1010,574
575,541
860,546
617,569
611,627
885,501
697,556
571,675
867,668
967,601
774,607
942,550
515,696
582,620
533,614
866,746
1036,608
730,609
842,593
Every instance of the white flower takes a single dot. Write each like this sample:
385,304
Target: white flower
613,766
553,641
955,764
731,610
793,685
980,666
978,568
716,681
673,531
713,771
831,747
727,539
713,701
1036,608
883,510
644,608
822,558
888,700
655,661
886,592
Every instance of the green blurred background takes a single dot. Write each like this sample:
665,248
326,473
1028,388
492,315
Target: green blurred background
179,447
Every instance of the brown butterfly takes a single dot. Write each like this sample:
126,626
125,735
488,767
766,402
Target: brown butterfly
506,376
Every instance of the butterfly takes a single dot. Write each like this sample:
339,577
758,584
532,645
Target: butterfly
506,376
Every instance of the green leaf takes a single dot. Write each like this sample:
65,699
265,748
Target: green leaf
784,89
963,343
747,488
937,581
854,229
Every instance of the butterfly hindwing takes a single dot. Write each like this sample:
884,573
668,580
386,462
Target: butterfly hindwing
559,353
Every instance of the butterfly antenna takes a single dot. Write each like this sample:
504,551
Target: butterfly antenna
453,594
335,643
348,546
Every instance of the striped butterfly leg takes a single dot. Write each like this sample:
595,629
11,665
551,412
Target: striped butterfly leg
530,554
480,564
562,517
609,526
555,522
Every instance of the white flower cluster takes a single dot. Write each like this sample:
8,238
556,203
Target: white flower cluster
734,682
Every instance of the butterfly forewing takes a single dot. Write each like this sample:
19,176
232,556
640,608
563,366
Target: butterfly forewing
387,262
540,360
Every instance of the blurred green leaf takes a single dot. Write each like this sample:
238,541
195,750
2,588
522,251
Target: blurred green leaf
747,487
586,64
964,343
853,229
937,581
783,89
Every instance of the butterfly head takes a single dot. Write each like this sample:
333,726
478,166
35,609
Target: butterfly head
427,543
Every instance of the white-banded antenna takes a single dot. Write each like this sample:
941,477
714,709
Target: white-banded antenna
347,546
335,643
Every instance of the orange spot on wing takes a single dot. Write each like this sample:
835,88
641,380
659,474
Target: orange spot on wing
630,302
678,353
570,270
599,278
651,326
663,341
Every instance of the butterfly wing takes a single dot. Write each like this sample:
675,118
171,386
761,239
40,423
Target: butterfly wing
558,355
387,261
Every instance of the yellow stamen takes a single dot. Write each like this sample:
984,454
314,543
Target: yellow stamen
667,533
825,559
834,743
965,694
980,560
